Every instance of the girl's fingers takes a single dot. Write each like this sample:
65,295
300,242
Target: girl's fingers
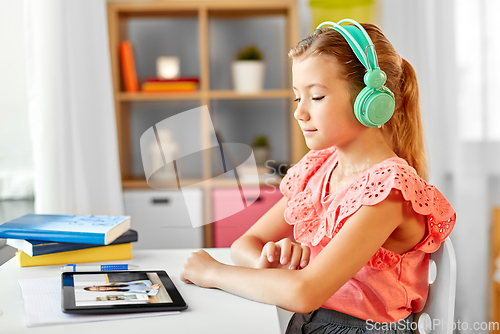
306,255
286,250
296,256
267,256
269,251
284,253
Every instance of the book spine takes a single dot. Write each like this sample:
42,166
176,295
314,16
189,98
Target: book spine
169,86
57,236
96,254
59,247
173,80
129,74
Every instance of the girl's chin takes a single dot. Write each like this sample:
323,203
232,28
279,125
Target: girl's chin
316,147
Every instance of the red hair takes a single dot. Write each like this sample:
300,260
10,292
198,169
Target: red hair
404,131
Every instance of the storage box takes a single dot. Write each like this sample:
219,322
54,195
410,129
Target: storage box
227,230
162,220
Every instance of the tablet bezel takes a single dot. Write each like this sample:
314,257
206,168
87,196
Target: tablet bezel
68,296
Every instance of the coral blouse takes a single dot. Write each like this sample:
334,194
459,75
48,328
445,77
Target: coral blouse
390,286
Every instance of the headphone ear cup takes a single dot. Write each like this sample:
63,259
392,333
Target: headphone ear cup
378,106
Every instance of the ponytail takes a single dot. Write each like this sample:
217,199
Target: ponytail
405,128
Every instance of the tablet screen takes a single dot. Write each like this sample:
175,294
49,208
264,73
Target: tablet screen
130,290
102,289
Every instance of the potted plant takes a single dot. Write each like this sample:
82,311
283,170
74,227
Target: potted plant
261,149
248,71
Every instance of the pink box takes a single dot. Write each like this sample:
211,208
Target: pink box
227,230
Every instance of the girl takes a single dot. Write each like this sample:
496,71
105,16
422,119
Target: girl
363,218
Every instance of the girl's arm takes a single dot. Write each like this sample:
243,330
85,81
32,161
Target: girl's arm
259,246
307,289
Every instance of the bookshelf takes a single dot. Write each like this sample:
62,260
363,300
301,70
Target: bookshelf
205,36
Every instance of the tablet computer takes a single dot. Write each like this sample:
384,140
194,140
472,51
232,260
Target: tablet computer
101,292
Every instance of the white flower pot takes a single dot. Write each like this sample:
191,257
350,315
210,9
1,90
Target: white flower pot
248,76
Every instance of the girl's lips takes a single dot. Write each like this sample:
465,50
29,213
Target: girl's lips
308,131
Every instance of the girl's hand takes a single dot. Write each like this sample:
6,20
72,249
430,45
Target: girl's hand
200,269
284,254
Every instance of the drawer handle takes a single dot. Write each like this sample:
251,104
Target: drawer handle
161,201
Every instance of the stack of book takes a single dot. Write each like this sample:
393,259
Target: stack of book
62,239
155,85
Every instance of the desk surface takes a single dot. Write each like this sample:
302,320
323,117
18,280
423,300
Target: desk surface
210,310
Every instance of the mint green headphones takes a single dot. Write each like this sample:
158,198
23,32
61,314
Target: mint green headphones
375,104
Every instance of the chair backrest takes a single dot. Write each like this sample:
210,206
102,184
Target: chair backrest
437,317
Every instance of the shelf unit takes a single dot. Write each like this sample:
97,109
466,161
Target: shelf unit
204,14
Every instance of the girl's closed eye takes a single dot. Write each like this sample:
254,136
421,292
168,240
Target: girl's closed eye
319,98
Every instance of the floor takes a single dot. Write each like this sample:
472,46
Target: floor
9,210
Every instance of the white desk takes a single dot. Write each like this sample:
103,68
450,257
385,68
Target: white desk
210,310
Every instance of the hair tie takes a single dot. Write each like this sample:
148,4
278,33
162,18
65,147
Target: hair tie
400,60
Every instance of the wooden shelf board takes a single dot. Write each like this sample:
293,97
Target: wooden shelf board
160,8
231,94
140,96
139,183
238,13
160,13
214,94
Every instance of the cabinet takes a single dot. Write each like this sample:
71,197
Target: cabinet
227,230
162,220
206,36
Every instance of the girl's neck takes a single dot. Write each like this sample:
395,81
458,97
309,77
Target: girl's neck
367,150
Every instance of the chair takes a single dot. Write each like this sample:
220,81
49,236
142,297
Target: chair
438,314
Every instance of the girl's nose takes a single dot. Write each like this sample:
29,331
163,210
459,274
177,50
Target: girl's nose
301,114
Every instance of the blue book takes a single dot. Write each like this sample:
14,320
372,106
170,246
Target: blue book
99,230
36,247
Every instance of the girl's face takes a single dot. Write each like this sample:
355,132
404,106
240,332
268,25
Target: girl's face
324,108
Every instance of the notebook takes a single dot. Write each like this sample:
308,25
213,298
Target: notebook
42,305
101,230
38,247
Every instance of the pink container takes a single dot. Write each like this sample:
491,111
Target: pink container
227,230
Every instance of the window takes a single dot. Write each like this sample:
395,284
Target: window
478,67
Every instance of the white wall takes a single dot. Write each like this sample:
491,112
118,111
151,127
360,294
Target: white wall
15,142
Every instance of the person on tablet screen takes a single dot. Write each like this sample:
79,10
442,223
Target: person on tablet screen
145,287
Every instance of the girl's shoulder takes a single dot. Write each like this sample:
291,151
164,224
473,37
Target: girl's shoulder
371,188
299,174
425,198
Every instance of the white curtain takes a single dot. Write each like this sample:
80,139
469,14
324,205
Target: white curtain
449,44
71,108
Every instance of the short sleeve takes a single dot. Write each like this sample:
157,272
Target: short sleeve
426,200
369,189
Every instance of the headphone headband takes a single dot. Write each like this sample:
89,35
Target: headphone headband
375,104
358,39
